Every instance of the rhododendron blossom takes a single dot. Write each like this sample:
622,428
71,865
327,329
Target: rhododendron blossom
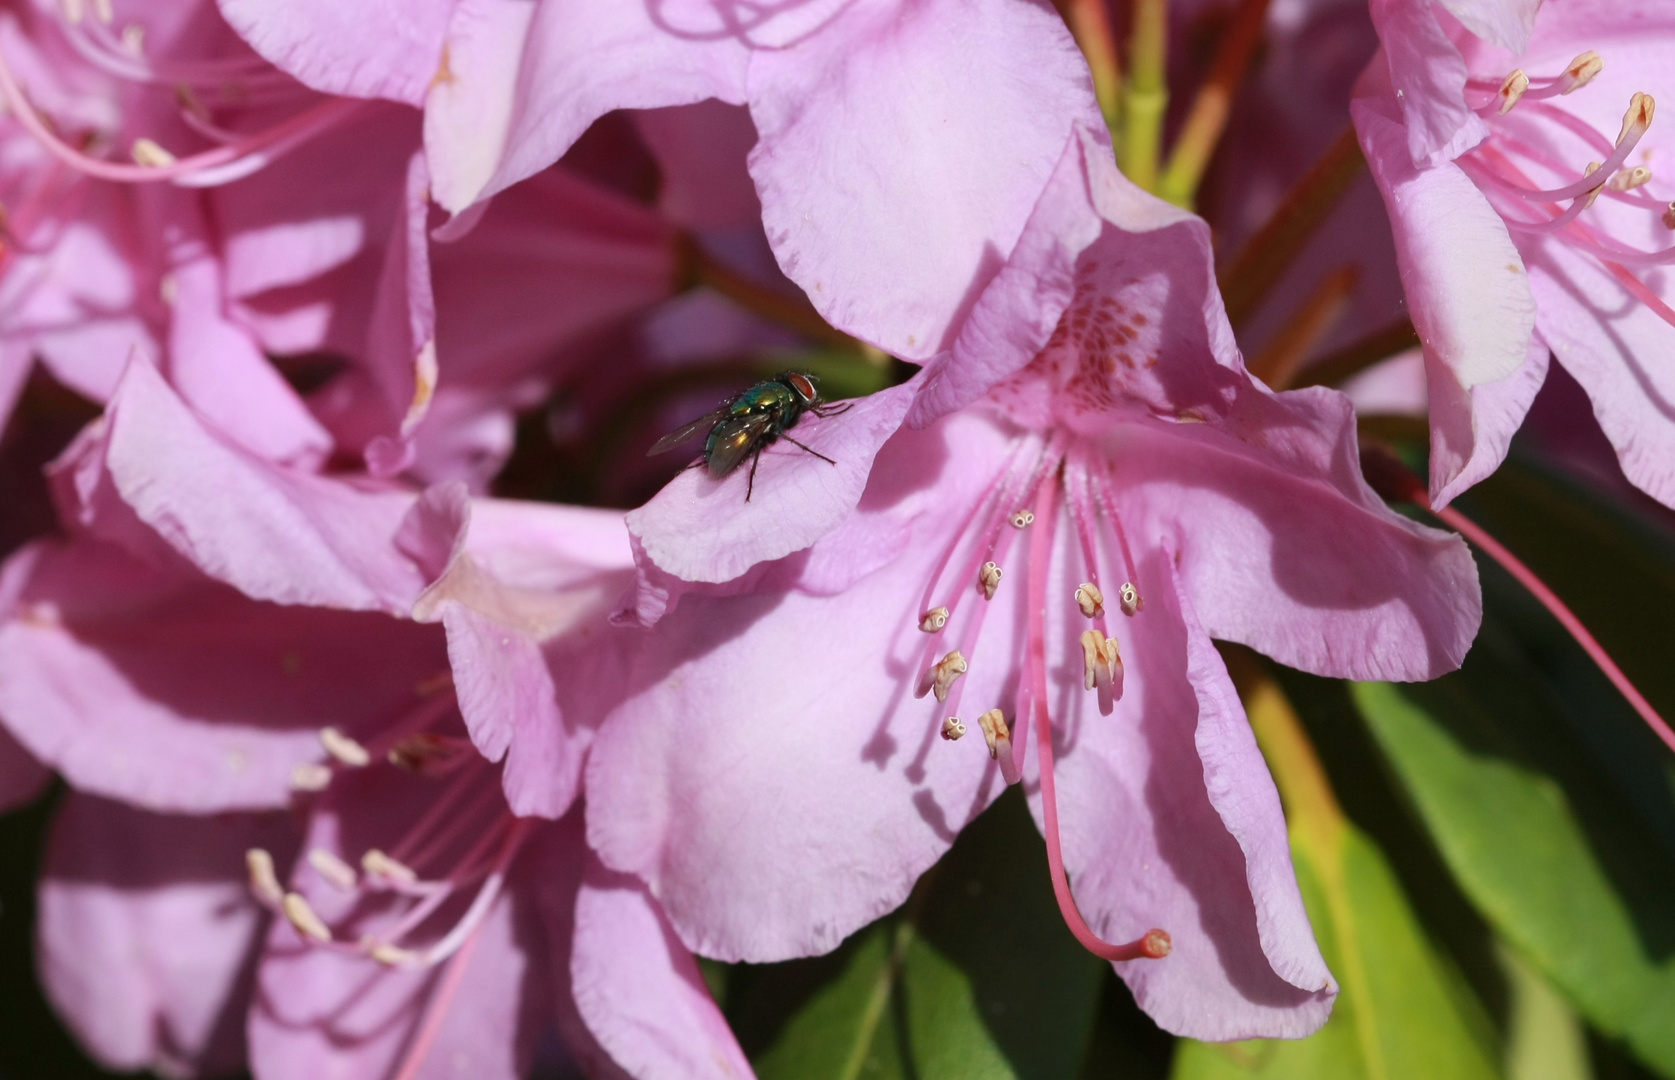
1517,152
1045,559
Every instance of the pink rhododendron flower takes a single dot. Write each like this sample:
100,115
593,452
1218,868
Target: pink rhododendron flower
279,659
880,187
1527,218
1047,555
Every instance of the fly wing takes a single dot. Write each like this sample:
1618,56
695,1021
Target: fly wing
685,432
734,438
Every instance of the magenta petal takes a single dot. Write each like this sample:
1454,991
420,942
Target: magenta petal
1170,820
274,533
525,80
148,932
700,529
640,991
893,217
176,693
386,48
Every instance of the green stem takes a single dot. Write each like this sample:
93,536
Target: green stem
1147,96
1207,120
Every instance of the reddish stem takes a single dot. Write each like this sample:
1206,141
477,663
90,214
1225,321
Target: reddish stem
1154,944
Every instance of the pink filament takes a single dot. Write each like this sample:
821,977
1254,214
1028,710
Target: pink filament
1527,578
436,1010
1154,944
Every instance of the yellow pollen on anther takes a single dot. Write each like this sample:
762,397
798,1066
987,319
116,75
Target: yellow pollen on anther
332,868
952,728
1629,179
263,881
1090,599
378,864
1023,519
310,776
940,678
1100,659
1512,89
1128,598
302,916
343,748
995,732
933,620
1582,70
146,152
988,580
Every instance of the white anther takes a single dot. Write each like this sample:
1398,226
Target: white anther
995,732
1581,71
1129,599
1639,116
1512,89
1090,599
988,580
133,39
1591,194
1023,519
1101,662
933,620
332,868
343,748
308,924
263,881
310,776
952,728
378,864
148,153
1629,179
390,955
942,674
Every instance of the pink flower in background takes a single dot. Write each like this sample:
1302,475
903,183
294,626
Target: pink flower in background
225,635
1484,124
1083,506
881,190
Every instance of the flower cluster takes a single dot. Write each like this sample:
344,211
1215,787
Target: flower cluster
394,747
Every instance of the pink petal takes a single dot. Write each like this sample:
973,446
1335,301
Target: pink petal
640,991
401,344
1507,23
820,725
1421,72
525,80
881,190
22,777
1494,412
1170,820
703,530
701,150
383,48
160,688
147,931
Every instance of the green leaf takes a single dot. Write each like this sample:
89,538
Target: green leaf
1510,835
1401,1011
975,978
1544,1036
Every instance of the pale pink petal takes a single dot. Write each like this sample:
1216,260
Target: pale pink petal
1506,23
1496,412
1421,72
640,991
148,934
401,344
158,687
1170,820
524,80
381,48
882,192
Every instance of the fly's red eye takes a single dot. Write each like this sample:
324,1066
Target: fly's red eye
804,387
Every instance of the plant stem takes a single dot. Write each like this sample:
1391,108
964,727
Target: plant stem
1146,96
1205,123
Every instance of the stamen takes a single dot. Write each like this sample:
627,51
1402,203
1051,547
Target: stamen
333,869
1090,600
343,748
1669,217
952,729
942,674
148,153
933,620
379,865
1581,71
302,916
1128,597
1629,179
996,733
391,955
263,881
1512,89
429,755
988,580
310,776
1101,663
1022,519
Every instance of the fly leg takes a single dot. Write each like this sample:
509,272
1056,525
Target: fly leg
810,449
832,410
755,460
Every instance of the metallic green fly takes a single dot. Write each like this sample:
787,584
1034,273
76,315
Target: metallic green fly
751,421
